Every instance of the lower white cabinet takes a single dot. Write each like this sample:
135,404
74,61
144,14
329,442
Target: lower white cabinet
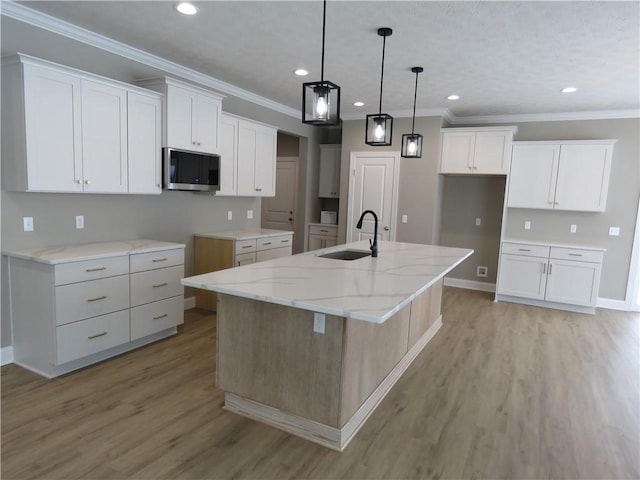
560,277
69,311
321,236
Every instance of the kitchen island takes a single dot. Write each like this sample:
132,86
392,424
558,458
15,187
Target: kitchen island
312,345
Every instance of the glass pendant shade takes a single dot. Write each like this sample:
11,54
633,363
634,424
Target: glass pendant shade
379,129
321,103
411,145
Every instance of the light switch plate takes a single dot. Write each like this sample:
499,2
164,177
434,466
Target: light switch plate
404,219
27,223
527,225
574,228
229,215
614,231
79,221
478,221
249,214
318,322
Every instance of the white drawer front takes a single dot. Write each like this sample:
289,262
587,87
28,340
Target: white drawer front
164,258
89,299
87,337
154,285
263,255
91,269
525,249
245,246
245,259
157,316
274,242
577,254
323,230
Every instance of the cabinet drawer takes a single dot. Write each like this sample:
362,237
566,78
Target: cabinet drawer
274,242
91,269
577,254
272,253
323,230
244,259
87,337
150,261
525,249
89,299
157,316
154,285
245,246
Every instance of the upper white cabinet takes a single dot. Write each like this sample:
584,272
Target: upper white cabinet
329,177
143,117
192,115
248,158
476,151
568,175
70,131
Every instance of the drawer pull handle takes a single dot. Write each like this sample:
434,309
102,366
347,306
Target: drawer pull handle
524,250
97,269
575,254
96,299
247,246
267,243
91,337
284,241
161,285
161,316
324,231
159,260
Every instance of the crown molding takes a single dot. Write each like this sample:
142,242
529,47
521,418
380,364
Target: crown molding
424,112
37,19
545,117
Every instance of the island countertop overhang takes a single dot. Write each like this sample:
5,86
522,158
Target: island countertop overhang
368,289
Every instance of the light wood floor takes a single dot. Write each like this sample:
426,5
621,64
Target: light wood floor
502,391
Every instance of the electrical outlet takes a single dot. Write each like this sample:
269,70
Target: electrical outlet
574,228
527,225
79,221
404,219
249,214
481,271
614,231
478,221
318,322
27,223
229,215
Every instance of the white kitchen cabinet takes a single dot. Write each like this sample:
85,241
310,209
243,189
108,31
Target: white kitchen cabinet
329,174
144,114
68,131
570,175
321,236
559,277
476,151
69,311
248,158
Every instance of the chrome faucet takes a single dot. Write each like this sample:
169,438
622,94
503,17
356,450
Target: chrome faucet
374,244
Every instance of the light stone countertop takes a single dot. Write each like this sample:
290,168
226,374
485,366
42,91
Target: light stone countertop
369,289
245,234
91,251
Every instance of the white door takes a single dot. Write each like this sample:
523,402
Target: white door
144,143
532,179
278,211
373,185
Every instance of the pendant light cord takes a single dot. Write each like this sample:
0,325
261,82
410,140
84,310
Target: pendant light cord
415,96
384,41
324,16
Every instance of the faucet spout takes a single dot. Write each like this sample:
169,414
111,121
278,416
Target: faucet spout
373,244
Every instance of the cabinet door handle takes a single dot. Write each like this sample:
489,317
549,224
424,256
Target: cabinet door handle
87,182
161,285
575,254
524,250
103,297
544,268
78,181
550,265
161,316
97,269
258,189
91,337
159,260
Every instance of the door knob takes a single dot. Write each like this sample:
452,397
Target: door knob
386,229
291,219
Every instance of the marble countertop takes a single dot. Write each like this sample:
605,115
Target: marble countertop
91,251
245,234
545,243
369,289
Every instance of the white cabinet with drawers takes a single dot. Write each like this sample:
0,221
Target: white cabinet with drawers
321,236
73,306
558,276
220,250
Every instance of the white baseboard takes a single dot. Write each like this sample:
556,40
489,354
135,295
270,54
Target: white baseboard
6,355
470,284
612,304
189,302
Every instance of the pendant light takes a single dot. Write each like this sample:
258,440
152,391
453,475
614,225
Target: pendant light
412,143
380,125
321,100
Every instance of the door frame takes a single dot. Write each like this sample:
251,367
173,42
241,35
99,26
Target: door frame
632,299
353,156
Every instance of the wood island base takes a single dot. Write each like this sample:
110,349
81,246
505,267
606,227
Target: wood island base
322,387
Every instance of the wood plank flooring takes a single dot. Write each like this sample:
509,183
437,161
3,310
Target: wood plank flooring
502,391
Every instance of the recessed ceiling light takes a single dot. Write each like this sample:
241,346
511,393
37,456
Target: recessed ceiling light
301,72
358,104
569,90
453,97
186,8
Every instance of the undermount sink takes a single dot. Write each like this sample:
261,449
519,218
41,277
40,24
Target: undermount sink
346,254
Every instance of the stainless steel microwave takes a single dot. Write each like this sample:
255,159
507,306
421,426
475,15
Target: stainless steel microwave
185,170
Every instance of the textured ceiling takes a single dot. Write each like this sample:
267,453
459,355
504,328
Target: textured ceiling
500,57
